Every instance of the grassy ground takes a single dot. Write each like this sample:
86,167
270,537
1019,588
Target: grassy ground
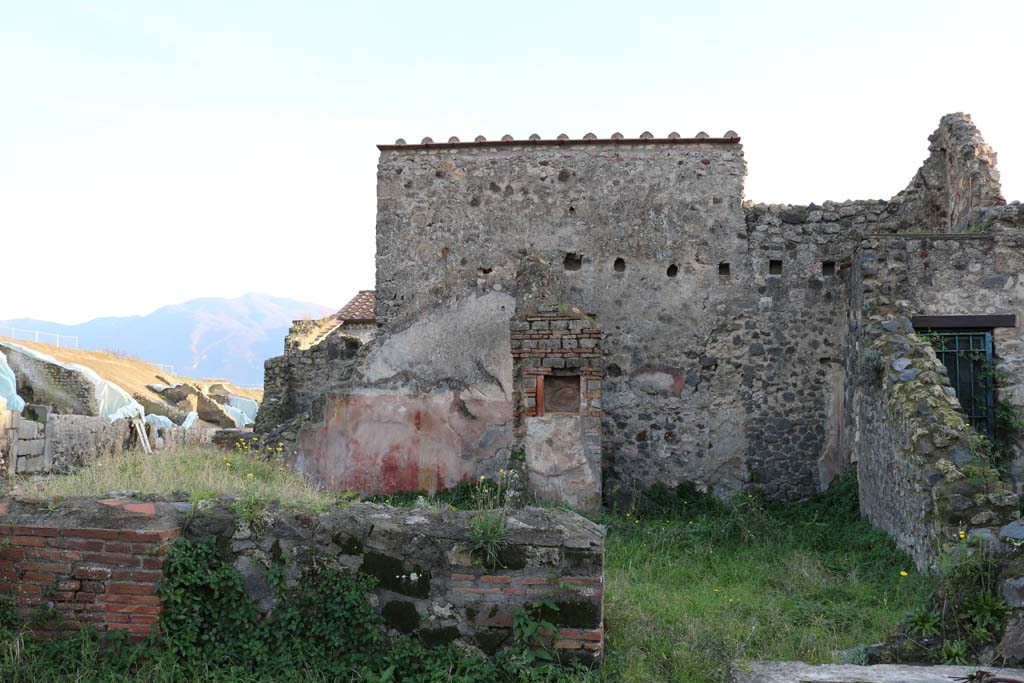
699,585
690,585
200,473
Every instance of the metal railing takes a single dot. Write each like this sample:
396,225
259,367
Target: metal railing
68,341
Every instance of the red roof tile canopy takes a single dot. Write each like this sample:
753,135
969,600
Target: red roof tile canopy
359,310
563,139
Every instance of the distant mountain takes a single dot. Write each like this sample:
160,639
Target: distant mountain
224,338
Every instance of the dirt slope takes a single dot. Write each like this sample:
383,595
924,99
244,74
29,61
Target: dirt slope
131,374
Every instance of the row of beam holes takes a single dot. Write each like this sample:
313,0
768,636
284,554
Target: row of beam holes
575,262
828,268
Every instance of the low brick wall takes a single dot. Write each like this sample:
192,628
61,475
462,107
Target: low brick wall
94,564
97,563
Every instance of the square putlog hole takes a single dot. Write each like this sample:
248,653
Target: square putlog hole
775,267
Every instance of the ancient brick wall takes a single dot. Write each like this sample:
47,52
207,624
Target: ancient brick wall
96,563
96,567
558,365
427,584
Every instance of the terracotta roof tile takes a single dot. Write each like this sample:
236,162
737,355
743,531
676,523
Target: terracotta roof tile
359,310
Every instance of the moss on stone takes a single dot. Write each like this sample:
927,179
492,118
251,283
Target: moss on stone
392,575
350,545
402,615
512,557
432,637
491,640
572,613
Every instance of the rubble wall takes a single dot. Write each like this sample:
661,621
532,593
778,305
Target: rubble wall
96,563
724,323
66,391
717,369
427,583
920,466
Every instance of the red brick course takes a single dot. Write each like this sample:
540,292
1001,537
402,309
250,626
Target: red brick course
103,578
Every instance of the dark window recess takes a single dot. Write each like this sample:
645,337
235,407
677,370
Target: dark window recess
672,271
828,268
572,261
775,267
723,268
968,360
562,394
620,265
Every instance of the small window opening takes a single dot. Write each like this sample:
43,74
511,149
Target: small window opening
561,394
775,267
572,209
723,268
828,268
672,271
620,265
572,261
969,360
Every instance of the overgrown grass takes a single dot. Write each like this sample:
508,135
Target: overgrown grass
199,473
697,585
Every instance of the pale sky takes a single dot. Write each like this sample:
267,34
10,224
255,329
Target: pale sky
154,152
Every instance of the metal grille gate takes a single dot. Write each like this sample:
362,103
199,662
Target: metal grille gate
967,356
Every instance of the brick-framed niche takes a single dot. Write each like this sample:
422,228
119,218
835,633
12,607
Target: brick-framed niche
558,368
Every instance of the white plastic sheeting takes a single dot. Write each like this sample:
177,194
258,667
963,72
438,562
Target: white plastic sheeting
248,407
190,419
114,402
240,418
9,386
159,421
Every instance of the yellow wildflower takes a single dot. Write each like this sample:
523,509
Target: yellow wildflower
963,534
903,573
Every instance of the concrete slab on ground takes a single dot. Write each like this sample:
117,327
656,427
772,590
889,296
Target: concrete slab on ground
798,672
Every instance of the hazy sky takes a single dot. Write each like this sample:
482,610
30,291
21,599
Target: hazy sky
153,152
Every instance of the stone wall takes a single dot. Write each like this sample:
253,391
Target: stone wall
966,274
294,381
956,183
304,334
8,434
426,583
93,564
921,478
96,563
65,442
65,390
722,330
73,441
724,323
